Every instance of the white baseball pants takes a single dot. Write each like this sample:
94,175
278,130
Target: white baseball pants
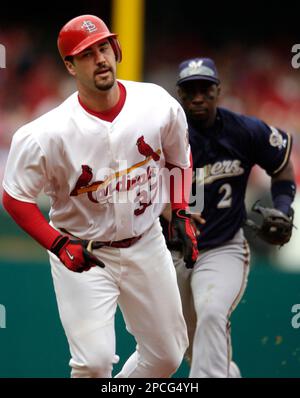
209,293
142,280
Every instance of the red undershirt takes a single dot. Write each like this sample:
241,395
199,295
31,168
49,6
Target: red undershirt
112,113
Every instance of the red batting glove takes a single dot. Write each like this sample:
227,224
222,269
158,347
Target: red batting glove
74,255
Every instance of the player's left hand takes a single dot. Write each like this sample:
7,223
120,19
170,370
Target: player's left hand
183,236
276,227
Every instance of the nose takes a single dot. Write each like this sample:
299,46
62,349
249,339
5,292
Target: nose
198,97
99,57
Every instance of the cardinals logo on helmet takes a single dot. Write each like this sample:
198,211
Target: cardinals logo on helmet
89,26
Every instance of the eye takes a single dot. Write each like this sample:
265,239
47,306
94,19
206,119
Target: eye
85,54
104,47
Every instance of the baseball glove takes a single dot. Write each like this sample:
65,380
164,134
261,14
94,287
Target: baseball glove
275,228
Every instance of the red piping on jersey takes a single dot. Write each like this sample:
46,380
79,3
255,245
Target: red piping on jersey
29,217
112,113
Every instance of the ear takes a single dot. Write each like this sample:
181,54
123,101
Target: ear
218,90
70,67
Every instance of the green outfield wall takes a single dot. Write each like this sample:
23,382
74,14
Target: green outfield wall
33,344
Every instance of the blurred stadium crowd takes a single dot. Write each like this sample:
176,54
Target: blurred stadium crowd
259,81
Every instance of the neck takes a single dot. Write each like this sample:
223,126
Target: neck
100,100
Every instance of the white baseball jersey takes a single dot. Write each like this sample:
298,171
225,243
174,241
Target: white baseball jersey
81,161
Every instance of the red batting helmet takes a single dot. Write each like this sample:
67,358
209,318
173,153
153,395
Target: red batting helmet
82,32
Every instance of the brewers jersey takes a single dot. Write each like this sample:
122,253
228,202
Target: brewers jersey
227,151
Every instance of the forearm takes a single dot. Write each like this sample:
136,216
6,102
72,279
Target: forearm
283,189
180,186
29,217
167,213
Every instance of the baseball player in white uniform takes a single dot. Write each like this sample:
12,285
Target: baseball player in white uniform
94,156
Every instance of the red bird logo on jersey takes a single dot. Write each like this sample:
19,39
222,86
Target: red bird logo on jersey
145,149
84,179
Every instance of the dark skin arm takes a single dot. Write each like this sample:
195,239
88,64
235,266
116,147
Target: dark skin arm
286,174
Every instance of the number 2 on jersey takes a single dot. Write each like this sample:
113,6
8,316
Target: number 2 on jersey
226,200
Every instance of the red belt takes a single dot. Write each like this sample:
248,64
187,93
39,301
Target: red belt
120,244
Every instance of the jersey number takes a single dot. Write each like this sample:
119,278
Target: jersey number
226,201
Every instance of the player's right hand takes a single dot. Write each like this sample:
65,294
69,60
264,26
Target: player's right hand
74,254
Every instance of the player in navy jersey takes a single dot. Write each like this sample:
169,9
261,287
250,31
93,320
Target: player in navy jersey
227,145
